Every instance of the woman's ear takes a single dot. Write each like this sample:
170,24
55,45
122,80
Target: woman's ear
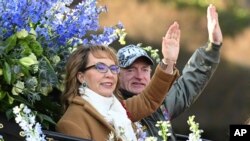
80,77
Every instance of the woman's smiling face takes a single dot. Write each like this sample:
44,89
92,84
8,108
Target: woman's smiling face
101,83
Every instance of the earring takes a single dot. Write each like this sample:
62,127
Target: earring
84,84
83,87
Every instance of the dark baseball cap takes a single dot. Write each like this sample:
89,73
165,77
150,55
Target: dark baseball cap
128,54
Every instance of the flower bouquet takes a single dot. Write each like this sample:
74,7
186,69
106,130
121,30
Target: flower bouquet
36,38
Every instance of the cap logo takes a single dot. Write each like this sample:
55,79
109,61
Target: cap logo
129,54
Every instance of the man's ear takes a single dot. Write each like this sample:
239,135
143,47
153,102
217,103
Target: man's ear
80,77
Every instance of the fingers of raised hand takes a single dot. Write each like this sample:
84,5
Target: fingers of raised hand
211,12
173,35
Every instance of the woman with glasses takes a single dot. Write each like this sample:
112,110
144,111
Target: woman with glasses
93,106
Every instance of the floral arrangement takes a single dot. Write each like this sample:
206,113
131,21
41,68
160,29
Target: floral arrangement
164,129
195,134
120,134
142,135
36,38
163,132
151,139
26,119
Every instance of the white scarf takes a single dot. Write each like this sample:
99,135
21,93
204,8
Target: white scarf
113,111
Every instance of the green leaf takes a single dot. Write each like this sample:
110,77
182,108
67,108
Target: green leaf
10,43
23,100
32,34
9,114
31,37
25,47
7,73
36,48
50,72
1,71
2,95
10,99
46,118
25,70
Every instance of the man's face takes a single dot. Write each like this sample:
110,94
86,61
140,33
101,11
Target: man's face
136,77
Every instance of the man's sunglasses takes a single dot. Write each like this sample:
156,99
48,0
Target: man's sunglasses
103,68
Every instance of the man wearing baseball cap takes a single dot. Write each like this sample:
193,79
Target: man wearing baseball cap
136,72
128,54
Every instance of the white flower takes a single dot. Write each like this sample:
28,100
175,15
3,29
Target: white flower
26,110
1,138
111,137
18,88
151,139
22,34
192,137
164,129
18,118
194,128
16,110
26,120
118,135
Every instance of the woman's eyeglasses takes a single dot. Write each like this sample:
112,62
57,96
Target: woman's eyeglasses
103,68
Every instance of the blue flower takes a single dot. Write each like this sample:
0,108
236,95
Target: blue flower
48,30
54,22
